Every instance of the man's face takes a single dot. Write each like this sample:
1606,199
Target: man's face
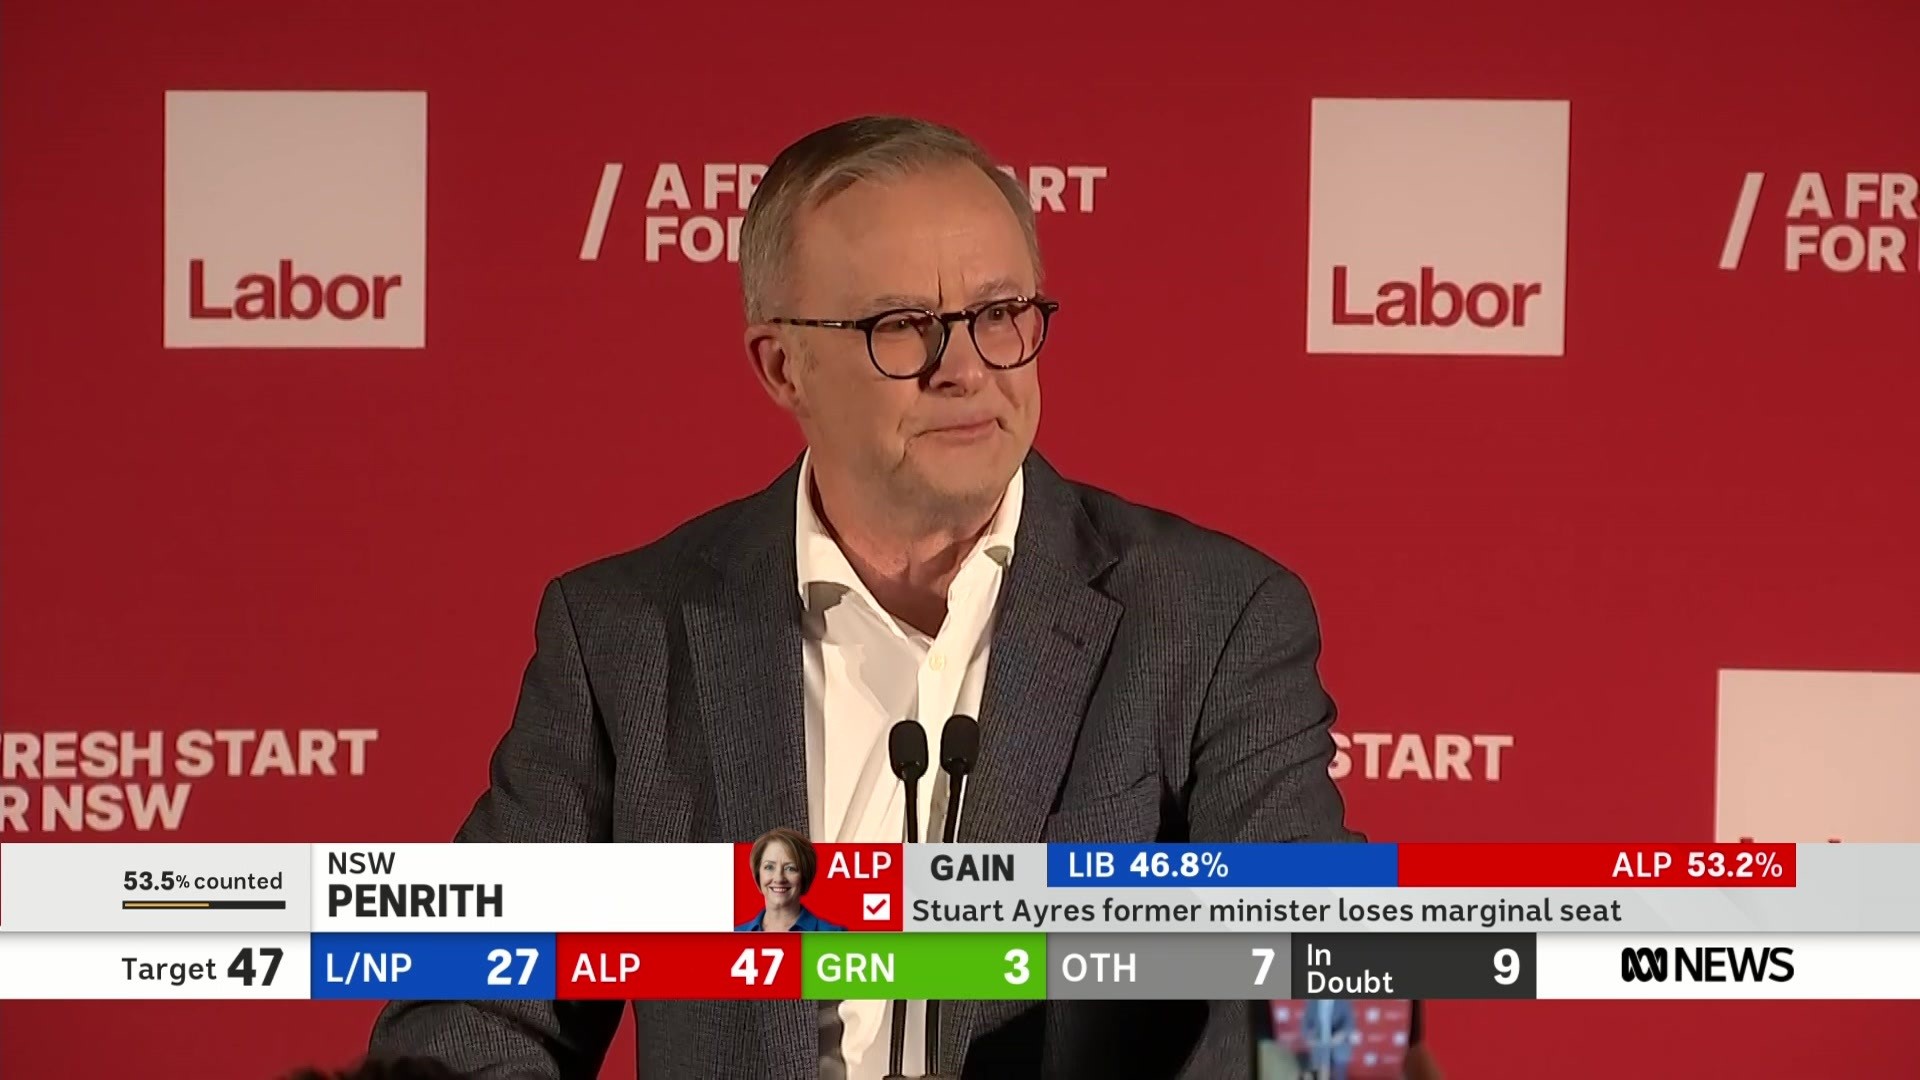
943,446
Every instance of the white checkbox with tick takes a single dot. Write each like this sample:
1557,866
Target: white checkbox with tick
877,906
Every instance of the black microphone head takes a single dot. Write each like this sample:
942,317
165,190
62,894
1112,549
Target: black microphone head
959,745
907,746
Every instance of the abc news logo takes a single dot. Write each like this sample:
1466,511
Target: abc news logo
1706,964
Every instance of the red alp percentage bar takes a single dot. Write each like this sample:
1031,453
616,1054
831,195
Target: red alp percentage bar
1695,866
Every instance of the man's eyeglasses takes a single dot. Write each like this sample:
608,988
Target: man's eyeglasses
907,343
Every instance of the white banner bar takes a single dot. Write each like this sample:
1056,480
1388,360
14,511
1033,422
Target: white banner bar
155,967
528,888
1787,967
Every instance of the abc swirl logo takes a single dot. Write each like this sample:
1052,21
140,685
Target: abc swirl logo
1643,965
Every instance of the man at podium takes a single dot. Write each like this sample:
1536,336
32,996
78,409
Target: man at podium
1136,677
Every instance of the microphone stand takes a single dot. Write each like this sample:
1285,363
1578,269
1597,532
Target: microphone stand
907,747
959,746
897,1044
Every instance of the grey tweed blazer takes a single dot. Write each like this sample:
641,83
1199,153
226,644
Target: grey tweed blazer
1149,680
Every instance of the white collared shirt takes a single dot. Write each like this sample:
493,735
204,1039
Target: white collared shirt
865,671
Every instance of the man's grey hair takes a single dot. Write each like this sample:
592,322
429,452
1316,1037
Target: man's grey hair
829,161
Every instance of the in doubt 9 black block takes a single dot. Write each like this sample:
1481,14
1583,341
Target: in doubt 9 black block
1432,966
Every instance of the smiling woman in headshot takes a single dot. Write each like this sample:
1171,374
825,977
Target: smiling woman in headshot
783,865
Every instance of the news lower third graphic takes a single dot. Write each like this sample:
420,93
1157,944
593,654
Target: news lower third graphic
1011,922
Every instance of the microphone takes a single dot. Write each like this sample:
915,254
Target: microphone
907,746
959,746
907,749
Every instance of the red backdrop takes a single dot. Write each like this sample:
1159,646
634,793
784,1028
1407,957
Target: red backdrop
1557,551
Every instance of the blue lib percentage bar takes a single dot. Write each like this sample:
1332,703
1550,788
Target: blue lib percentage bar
1223,866
434,967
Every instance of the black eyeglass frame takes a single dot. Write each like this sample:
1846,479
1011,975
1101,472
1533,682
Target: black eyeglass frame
968,315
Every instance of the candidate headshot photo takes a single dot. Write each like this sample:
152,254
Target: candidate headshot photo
783,865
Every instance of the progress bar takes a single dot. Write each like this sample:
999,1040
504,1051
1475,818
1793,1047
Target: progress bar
203,905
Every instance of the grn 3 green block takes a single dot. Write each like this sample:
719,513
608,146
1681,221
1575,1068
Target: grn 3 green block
918,967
